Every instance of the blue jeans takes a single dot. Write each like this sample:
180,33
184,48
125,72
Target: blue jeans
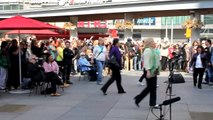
209,75
139,65
100,66
135,59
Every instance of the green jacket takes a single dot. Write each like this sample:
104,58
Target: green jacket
152,61
4,61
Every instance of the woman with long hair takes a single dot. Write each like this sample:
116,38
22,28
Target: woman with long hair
152,68
116,74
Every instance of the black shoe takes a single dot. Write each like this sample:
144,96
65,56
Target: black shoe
199,87
104,91
68,82
195,84
136,103
122,92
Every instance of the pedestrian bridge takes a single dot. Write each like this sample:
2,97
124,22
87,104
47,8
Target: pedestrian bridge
117,10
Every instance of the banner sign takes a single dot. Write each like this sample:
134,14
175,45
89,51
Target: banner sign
145,21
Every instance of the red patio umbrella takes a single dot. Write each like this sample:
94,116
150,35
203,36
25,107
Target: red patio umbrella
35,32
22,23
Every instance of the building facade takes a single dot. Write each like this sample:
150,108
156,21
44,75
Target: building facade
157,27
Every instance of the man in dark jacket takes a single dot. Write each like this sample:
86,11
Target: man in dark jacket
208,50
68,56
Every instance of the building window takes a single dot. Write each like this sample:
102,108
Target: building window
1,7
7,7
208,19
14,7
136,35
177,20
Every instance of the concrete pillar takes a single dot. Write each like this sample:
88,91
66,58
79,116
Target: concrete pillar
74,30
128,32
195,32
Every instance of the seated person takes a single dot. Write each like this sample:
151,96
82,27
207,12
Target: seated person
35,72
51,73
85,66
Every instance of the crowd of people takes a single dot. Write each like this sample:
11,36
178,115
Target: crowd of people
54,60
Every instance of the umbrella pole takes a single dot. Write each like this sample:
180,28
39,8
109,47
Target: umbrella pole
20,75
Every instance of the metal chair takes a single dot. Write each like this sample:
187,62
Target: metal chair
85,74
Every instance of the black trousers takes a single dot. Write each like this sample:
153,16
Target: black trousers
54,79
116,75
150,88
13,77
164,62
67,70
200,72
92,74
61,70
143,76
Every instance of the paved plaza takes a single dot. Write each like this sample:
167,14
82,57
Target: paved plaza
84,101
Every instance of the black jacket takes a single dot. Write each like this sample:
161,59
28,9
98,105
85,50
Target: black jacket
208,51
204,60
35,72
68,56
37,51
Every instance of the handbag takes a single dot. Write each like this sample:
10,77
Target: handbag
112,61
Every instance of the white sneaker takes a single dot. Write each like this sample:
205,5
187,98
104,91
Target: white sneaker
140,83
100,83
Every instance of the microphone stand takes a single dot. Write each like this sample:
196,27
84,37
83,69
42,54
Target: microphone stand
169,88
161,113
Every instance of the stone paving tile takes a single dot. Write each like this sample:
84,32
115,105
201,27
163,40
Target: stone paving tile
8,116
43,113
84,101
